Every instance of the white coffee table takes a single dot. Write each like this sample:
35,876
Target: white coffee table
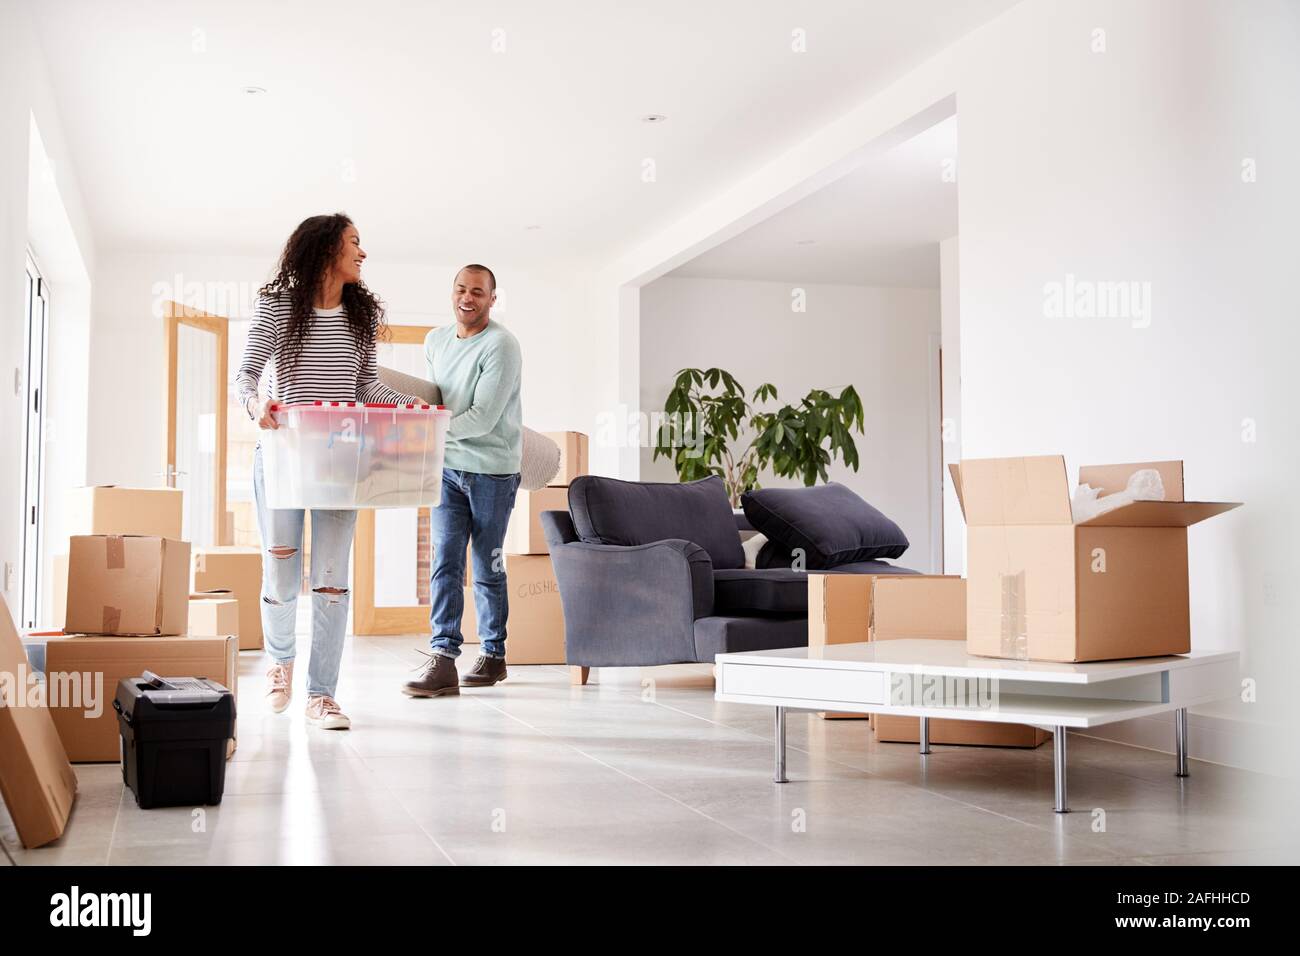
933,678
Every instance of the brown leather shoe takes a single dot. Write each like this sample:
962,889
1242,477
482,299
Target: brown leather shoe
438,679
486,672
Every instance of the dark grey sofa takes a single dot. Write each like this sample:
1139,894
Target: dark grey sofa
654,574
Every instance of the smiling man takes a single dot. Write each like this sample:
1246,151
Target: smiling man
476,363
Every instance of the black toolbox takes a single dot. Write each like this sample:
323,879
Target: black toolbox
174,736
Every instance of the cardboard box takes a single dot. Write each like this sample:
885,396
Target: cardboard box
839,612
214,614
97,664
933,607
56,595
524,533
239,571
469,618
108,509
573,457
127,584
36,781
535,628
1043,588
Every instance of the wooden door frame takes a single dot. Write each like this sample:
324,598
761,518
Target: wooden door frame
368,619
174,316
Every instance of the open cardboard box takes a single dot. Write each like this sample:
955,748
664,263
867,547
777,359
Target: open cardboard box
1041,587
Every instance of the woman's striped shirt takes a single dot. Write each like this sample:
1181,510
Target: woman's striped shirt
330,367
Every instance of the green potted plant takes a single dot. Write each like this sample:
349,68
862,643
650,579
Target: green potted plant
707,411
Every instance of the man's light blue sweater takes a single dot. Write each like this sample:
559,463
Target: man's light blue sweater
479,377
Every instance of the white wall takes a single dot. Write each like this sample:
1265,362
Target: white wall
875,339
954,525
1132,170
546,312
56,226
1125,164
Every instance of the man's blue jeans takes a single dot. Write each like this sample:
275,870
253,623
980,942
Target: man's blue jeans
475,508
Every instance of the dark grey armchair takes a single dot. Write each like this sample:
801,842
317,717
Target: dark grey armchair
654,574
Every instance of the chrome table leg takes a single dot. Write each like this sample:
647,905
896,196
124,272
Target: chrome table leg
1180,739
779,776
1058,766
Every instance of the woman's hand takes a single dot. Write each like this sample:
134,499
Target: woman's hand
265,417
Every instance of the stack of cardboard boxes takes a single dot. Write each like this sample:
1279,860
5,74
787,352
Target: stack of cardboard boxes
126,608
535,630
1039,585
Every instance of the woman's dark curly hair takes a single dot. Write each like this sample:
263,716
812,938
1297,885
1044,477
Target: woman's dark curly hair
303,266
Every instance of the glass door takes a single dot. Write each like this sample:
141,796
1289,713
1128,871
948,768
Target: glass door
34,440
196,404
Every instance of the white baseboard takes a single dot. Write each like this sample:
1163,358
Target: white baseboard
1244,744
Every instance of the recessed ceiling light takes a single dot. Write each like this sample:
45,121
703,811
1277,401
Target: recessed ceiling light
254,90
805,242
654,118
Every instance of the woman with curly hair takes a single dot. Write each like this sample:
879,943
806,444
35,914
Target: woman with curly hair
317,324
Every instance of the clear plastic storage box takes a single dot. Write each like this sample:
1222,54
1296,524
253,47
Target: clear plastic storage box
354,455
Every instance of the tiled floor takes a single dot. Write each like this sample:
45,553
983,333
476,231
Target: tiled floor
643,766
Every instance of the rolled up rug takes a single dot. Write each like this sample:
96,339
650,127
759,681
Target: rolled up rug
541,456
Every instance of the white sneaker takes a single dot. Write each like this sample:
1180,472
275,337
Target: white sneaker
325,713
280,677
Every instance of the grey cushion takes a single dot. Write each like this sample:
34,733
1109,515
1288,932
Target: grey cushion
725,635
609,511
760,591
830,523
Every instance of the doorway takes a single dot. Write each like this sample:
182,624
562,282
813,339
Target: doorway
195,419
37,341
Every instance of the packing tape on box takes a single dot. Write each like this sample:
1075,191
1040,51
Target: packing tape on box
116,550
1015,637
112,619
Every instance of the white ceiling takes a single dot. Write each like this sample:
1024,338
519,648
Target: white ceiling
878,225
402,114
